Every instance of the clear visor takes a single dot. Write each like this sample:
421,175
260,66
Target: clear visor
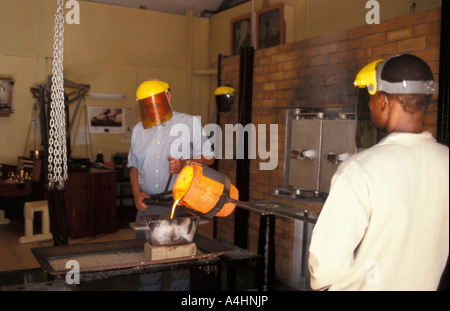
366,133
155,110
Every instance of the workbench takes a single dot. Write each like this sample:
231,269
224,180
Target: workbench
204,266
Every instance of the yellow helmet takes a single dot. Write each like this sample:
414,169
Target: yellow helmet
221,90
224,98
154,103
370,76
150,88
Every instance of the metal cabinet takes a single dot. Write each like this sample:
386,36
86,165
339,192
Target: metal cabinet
91,203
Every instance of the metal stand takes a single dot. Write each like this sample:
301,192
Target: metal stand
265,268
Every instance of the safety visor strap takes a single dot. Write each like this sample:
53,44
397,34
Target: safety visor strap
407,87
404,87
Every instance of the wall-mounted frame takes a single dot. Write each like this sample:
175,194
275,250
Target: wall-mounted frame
106,120
5,96
241,33
270,26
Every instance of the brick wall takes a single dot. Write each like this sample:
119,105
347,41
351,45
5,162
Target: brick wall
317,72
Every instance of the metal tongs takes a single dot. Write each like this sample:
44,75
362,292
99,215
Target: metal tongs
163,197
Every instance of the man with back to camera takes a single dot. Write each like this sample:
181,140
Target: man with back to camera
385,223
152,162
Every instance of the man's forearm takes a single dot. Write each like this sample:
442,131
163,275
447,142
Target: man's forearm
134,180
139,196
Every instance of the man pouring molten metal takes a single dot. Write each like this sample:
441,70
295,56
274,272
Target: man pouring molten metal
153,167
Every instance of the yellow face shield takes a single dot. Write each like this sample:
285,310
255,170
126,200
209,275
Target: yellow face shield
366,83
154,103
367,77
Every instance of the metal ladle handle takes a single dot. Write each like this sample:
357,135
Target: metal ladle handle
160,196
168,183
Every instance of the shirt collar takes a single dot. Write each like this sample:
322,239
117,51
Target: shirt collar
408,138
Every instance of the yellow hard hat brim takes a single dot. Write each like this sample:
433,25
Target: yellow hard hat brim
367,77
151,88
224,90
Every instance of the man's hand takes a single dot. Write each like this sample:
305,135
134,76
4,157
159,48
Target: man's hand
175,165
139,201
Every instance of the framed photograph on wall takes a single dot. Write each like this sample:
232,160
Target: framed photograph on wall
106,120
270,26
5,96
241,33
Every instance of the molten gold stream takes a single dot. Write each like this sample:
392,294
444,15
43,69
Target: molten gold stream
173,208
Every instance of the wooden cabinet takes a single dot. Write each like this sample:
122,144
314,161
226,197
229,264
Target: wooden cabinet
90,199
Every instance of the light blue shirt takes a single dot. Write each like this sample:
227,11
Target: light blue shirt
182,137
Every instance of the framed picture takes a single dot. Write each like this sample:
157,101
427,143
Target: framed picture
241,33
270,26
106,120
5,96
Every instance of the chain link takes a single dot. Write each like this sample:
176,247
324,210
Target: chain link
57,153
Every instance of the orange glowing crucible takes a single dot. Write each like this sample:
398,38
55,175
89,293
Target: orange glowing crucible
205,190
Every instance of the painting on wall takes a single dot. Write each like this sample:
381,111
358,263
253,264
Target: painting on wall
241,33
270,26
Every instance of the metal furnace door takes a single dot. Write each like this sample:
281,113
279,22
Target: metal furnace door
338,142
304,154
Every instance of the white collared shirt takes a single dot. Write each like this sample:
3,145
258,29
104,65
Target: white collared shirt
385,224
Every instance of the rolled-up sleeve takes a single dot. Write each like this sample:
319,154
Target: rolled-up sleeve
132,158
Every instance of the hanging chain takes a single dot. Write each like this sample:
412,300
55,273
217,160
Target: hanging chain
57,153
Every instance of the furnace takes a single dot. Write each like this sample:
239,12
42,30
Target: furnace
317,141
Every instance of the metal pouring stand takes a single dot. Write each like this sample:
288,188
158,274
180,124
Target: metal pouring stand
265,268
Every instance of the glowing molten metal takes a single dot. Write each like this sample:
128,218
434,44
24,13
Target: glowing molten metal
204,190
